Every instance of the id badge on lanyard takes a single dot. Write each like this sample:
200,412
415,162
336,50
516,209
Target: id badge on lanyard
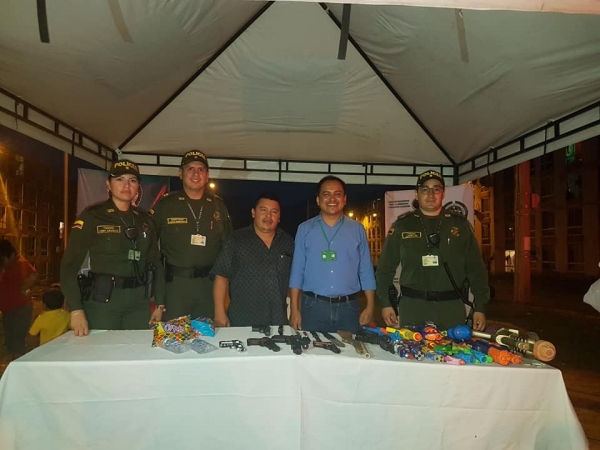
430,260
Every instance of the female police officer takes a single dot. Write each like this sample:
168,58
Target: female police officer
122,245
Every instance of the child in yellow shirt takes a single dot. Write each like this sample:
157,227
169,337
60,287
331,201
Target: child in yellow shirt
54,321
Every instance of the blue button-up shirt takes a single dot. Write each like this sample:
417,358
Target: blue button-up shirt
352,271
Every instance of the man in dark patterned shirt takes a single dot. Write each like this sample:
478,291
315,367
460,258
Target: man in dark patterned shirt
254,267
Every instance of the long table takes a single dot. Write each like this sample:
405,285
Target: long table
111,390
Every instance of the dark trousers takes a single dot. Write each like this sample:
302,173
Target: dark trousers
16,326
190,296
128,309
446,314
321,315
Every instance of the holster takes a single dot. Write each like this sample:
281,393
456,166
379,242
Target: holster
102,287
393,297
85,286
150,275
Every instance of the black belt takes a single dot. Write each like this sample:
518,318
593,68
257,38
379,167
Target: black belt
430,296
187,272
118,281
340,299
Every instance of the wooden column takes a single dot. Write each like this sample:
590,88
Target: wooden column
523,233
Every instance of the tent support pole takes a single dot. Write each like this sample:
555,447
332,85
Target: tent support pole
344,32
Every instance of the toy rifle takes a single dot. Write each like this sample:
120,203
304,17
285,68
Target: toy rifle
360,347
528,344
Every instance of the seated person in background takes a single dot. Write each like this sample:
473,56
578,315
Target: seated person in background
54,321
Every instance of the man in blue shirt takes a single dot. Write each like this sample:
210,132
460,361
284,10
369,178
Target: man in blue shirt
331,265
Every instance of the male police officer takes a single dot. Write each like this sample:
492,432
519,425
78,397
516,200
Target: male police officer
193,225
435,248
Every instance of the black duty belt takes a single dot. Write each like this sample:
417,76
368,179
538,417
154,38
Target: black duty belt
430,296
117,281
340,299
187,272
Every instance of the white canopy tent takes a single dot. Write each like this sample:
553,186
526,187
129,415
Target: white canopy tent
259,86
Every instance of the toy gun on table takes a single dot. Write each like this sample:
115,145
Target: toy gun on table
264,342
296,341
235,344
326,345
479,357
405,333
392,335
264,329
375,338
460,332
427,332
498,355
359,346
528,344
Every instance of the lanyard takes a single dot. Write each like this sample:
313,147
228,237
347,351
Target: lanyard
334,234
197,219
429,236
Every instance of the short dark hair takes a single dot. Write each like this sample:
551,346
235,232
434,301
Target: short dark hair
6,248
267,196
331,178
53,298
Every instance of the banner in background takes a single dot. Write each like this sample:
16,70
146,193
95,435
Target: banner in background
458,199
91,188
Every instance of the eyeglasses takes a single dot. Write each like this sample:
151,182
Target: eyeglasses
425,190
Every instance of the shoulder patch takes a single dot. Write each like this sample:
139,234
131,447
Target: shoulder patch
391,231
151,212
78,225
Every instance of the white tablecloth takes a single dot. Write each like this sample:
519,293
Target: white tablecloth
111,390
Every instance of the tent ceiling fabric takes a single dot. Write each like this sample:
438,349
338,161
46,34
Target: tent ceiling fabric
90,77
520,70
570,6
279,89
475,79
